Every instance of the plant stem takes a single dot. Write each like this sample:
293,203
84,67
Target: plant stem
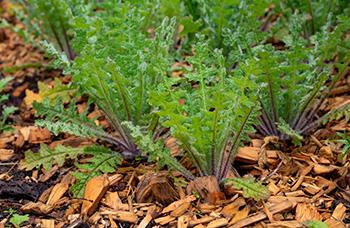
232,150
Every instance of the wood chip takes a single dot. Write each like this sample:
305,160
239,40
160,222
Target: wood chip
38,208
323,169
176,204
233,208
285,224
207,187
217,223
156,187
275,208
6,154
124,216
204,219
113,201
57,192
339,212
183,221
164,220
305,212
151,214
240,215
94,191
333,223
181,209
48,223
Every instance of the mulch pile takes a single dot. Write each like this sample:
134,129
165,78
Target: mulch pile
305,183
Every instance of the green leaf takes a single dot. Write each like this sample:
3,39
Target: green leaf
17,219
315,224
47,157
156,151
207,117
103,160
250,187
287,130
345,140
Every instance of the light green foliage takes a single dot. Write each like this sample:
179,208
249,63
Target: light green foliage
292,79
337,114
227,24
315,224
119,64
47,157
16,219
103,160
214,115
156,150
58,119
345,140
100,160
251,188
6,110
50,20
53,92
312,13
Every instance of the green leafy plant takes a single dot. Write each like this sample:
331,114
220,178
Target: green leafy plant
292,79
315,224
47,157
345,140
16,219
50,20
98,160
208,111
117,67
250,187
6,110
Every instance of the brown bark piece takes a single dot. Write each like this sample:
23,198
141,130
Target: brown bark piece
94,191
323,169
306,212
48,223
124,216
176,204
38,208
285,224
57,192
6,154
207,187
333,223
164,220
151,214
242,214
339,212
181,209
156,187
183,221
275,208
232,209
202,220
217,223
113,201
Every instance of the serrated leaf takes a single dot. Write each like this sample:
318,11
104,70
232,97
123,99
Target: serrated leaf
47,157
50,92
251,188
103,160
17,219
156,151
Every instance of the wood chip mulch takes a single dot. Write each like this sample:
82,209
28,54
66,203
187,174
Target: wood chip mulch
306,183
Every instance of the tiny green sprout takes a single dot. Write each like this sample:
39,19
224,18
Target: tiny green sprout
315,224
16,219
345,140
